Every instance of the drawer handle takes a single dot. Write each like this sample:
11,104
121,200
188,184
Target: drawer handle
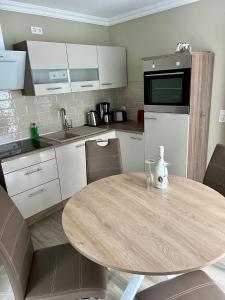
135,138
54,88
107,83
80,145
150,118
87,85
33,171
37,192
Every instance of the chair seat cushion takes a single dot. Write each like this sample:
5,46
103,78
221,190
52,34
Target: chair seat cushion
60,272
192,286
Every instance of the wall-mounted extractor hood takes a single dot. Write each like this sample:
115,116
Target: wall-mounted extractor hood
12,68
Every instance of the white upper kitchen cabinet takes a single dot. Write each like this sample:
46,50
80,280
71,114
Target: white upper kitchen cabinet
46,55
132,151
83,66
170,131
46,69
112,67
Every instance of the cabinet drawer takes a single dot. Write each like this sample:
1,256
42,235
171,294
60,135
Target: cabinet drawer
84,86
38,199
52,88
27,160
104,136
27,178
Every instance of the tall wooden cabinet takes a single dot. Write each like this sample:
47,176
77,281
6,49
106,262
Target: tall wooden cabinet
200,103
185,136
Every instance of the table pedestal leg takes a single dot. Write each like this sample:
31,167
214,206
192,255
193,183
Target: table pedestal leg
132,288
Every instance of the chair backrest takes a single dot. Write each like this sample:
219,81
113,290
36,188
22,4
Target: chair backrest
102,161
16,249
215,173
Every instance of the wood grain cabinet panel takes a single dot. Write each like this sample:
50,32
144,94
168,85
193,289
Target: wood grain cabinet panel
200,103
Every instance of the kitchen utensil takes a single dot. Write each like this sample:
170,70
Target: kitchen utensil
92,118
119,115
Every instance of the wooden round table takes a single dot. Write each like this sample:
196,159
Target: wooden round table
118,223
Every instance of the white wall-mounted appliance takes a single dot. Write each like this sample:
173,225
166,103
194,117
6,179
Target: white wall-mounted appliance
167,83
12,69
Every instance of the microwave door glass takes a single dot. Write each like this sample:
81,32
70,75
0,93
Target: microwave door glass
167,91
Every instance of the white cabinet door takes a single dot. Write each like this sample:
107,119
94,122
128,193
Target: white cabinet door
45,55
132,151
82,56
83,65
71,162
170,131
71,167
112,67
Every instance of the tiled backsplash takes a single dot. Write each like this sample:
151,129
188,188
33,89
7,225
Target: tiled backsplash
19,111
132,97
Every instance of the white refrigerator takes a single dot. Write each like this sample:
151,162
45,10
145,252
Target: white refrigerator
171,131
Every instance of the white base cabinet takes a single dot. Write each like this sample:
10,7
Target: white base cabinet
132,151
71,167
170,131
71,162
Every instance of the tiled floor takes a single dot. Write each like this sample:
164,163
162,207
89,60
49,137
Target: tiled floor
49,232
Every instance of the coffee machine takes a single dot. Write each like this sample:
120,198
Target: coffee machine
103,111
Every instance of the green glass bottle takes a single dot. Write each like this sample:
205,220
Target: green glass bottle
34,131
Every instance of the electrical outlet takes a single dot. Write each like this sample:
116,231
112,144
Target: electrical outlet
222,116
36,30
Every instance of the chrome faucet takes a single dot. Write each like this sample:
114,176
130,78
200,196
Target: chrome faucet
65,125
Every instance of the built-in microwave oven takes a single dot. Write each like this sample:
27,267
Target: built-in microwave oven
167,84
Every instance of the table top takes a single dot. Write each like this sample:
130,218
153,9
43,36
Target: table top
118,223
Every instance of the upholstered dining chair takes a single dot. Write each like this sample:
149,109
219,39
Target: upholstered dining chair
215,173
191,286
102,159
54,273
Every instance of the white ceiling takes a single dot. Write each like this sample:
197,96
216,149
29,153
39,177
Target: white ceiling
103,12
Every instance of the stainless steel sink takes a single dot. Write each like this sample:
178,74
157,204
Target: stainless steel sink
60,136
73,133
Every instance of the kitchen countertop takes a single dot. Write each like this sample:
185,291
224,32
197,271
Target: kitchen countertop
89,131
86,131
129,126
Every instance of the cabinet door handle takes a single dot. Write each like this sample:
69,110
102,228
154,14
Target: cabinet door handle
80,145
163,74
107,83
135,138
87,85
37,192
150,118
33,171
54,88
